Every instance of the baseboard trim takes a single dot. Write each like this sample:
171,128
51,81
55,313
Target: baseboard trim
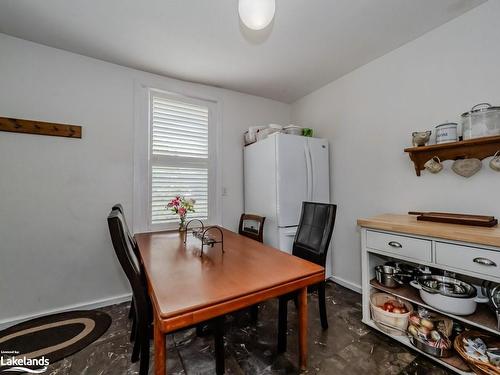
346,284
79,306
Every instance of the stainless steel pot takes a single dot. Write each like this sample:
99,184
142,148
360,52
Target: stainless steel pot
448,294
435,352
406,272
495,301
483,120
388,276
492,290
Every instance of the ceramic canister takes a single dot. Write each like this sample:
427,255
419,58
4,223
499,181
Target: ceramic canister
447,132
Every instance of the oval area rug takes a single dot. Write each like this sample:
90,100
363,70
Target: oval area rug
53,337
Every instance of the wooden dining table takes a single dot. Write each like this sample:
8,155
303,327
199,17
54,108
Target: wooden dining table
187,287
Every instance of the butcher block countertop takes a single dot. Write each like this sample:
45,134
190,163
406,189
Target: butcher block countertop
408,224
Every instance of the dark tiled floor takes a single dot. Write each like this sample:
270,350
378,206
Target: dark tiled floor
347,347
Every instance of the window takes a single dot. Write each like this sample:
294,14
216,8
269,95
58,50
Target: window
179,156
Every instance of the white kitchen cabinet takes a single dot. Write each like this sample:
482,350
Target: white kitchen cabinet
469,251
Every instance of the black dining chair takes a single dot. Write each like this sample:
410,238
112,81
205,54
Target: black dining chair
130,236
141,303
133,243
128,258
311,243
252,226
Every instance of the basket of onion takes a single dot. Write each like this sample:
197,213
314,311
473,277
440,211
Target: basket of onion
390,314
431,334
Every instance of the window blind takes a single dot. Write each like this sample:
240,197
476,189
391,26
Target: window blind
179,157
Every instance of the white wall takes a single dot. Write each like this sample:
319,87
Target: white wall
55,249
369,114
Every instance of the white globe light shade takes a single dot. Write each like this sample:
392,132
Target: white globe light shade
256,14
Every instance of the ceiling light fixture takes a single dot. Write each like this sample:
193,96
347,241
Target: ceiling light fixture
256,14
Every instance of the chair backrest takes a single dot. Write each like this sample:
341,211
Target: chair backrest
129,234
252,226
128,260
314,232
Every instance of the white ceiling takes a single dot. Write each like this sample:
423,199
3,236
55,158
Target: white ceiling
310,42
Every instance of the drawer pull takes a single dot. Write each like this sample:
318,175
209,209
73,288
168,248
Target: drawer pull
395,244
484,262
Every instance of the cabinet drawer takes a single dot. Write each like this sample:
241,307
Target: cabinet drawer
410,247
486,262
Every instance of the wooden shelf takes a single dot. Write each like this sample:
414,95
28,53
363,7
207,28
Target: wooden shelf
483,318
478,148
455,362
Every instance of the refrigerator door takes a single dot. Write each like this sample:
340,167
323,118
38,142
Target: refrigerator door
260,185
286,238
293,177
320,168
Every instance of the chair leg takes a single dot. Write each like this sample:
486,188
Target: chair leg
144,340
322,305
133,331
219,345
254,313
203,330
131,309
199,330
282,323
136,350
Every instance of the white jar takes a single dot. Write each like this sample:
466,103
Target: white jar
447,132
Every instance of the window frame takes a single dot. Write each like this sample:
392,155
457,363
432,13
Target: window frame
176,161
143,162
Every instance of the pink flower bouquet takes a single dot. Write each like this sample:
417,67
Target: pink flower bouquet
181,205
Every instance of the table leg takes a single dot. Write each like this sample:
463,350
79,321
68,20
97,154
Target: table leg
303,328
160,350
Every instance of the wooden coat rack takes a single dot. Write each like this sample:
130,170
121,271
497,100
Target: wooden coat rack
39,127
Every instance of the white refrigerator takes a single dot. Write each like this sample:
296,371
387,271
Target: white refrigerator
280,173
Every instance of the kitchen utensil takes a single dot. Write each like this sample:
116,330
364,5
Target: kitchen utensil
494,296
447,294
495,162
435,352
405,272
492,291
434,165
467,167
388,276
420,138
447,132
482,120
293,129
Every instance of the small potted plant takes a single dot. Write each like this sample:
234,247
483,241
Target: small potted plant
181,205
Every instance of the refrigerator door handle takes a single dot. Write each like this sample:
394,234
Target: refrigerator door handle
311,168
309,175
